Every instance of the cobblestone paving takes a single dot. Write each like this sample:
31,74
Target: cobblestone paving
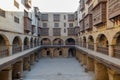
58,69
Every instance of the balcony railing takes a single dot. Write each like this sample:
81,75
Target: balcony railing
70,43
91,47
116,51
45,44
57,43
84,45
16,49
103,50
26,47
4,52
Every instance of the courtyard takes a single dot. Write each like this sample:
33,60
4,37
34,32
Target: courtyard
58,69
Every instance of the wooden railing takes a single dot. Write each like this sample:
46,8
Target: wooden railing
4,52
26,47
46,44
116,51
16,49
103,50
84,45
91,46
57,43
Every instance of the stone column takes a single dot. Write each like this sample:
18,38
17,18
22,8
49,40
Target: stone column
95,46
113,75
84,59
6,74
111,50
32,59
10,50
100,71
90,64
17,70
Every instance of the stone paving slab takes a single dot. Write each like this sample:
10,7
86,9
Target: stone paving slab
58,69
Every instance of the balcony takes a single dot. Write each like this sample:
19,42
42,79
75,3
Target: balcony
71,31
82,25
27,24
82,5
103,50
16,49
77,30
113,8
26,47
99,16
28,3
88,22
4,52
44,32
36,10
39,31
91,46
56,31
33,29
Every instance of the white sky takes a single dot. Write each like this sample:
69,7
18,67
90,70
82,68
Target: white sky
56,5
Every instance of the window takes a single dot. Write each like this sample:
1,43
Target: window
70,17
64,24
64,30
44,24
16,4
16,19
2,13
70,24
56,24
64,17
44,17
56,17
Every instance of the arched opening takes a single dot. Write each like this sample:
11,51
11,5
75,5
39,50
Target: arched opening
46,52
31,42
57,41
26,43
4,49
58,52
17,70
91,42
116,45
71,52
35,42
17,45
84,41
45,41
102,44
70,41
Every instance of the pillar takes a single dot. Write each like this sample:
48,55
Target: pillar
26,64
95,46
90,64
32,59
111,50
84,59
17,70
113,75
100,71
6,74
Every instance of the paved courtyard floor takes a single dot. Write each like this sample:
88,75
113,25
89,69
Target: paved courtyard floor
58,69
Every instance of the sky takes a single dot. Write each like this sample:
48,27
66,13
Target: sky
56,5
